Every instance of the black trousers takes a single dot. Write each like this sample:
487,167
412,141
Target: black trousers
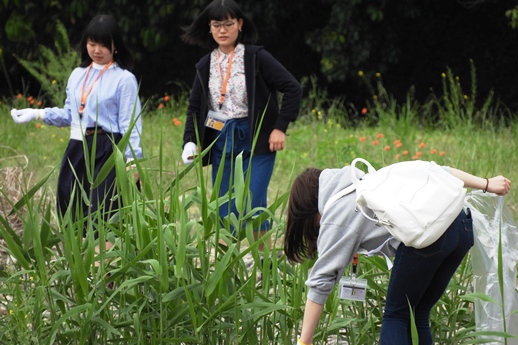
74,187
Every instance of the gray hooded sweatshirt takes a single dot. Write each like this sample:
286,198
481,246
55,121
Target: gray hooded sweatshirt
344,231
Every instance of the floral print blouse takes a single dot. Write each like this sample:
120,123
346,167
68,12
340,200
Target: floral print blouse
235,104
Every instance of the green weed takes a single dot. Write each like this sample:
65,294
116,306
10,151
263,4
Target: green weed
175,274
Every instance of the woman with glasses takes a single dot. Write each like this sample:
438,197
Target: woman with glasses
234,101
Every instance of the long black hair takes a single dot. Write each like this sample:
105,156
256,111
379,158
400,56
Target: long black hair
104,29
198,32
302,229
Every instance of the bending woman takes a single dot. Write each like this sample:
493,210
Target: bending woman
419,276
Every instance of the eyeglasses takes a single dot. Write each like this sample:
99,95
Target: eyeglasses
227,25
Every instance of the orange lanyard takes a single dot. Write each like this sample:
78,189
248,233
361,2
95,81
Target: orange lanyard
227,76
354,270
85,96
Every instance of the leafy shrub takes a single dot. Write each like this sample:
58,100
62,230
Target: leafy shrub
52,69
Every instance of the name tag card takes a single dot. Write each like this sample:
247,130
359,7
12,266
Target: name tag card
352,289
215,121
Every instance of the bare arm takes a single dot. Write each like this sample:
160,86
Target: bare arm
311,316
498,184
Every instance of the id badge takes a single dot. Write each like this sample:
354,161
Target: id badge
214,121
353,289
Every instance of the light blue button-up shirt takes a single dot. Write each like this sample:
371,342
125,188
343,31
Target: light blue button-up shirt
113,104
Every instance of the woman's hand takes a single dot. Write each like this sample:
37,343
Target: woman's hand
277,140
25,115
136,175
190,151
499,185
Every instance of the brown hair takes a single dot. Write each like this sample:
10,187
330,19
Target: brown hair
300,240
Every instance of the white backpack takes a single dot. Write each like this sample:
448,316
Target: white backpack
416,200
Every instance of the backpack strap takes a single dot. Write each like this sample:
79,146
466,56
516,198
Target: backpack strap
356,181
355,178
379,222
349,190
338,195
378,251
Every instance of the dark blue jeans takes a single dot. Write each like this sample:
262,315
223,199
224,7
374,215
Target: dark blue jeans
420,277
236,136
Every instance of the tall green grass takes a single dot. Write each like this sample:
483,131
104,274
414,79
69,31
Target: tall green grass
176,275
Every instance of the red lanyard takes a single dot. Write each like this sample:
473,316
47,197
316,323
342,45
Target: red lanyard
83,95
227,76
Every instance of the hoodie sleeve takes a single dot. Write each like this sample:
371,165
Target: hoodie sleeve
341,233
336,247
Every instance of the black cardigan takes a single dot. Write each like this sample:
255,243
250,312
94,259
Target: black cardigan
265,76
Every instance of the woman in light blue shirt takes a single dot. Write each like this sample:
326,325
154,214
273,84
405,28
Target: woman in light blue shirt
102,105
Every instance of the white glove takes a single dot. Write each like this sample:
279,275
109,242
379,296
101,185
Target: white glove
25,115
189,152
